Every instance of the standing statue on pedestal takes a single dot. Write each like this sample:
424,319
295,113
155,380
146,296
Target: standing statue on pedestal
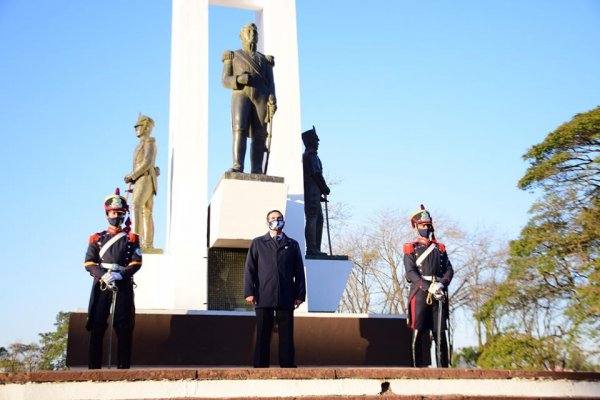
144,178
253,103
315,191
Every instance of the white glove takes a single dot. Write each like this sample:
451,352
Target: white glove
439,296
435,287
116,276
108,278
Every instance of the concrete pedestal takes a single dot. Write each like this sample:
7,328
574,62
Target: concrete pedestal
239,206
326,280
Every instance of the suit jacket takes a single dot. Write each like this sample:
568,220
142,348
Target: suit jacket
274,272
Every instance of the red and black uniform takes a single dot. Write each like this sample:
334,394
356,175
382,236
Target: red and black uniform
423,317
124,255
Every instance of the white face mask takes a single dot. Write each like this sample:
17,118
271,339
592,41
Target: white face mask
276,225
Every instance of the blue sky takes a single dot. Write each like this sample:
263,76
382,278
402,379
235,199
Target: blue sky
415,102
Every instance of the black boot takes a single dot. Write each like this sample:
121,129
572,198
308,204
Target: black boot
257,154
239,151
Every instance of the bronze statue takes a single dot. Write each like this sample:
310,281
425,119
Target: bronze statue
144,178
253,103
315,192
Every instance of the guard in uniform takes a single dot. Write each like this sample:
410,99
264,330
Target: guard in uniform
112,258
429,271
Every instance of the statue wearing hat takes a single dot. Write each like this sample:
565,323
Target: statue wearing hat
113,256
429,272
144,181
315,192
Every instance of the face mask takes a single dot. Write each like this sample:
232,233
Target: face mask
424,232
276,225
115,221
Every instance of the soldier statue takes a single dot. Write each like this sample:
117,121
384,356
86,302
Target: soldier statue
315,192
253,103
144,178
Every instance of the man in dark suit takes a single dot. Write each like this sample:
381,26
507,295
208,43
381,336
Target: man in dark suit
274,282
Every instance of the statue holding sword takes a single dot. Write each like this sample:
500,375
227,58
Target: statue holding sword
249,74
144,178
315,192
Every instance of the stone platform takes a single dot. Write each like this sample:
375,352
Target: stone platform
313,383
219,338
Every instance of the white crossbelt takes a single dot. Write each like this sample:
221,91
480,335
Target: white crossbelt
423,256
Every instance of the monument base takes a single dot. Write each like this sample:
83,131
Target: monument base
212,338
239,206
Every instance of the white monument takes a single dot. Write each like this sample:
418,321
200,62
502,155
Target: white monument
177,279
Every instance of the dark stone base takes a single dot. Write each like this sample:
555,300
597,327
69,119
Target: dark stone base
227,339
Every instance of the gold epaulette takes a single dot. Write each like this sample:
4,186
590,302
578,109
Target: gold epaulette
227,56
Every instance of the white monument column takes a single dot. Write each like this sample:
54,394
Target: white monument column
187,199
178,279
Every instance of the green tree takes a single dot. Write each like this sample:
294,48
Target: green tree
54,344
550,299
466,357
20,357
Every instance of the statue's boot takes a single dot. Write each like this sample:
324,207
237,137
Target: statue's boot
310,235
148,237
319,230
257,154
239,151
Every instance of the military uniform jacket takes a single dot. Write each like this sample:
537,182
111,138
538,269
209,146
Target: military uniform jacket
144,157
436,264
260,83
125,252
314,183
274,272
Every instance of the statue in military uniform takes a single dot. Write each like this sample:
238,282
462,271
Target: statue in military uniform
315,192
144,179
250,75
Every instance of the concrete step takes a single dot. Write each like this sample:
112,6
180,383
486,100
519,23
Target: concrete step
313,383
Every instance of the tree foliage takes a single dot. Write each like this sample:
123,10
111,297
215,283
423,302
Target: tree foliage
54,344
549,303
50,354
